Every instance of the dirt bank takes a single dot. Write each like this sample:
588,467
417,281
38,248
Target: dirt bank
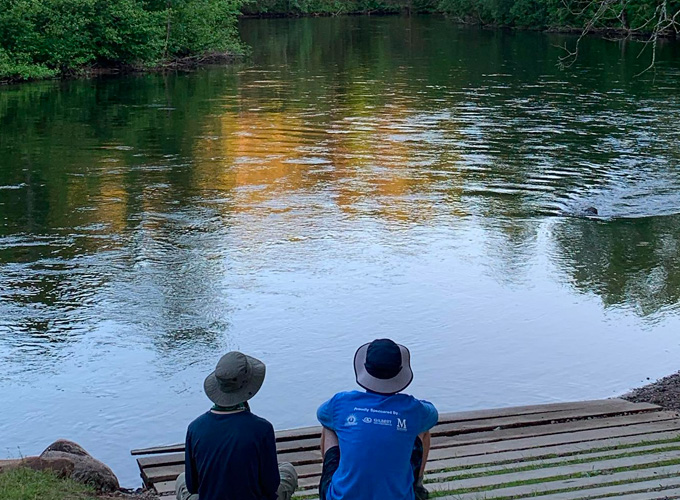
664,392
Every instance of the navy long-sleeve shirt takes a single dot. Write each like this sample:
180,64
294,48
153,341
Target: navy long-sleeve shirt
231,457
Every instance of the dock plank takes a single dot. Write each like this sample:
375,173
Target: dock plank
545,430
602,467
648,476
554,439
438,452
466,422
549,473
631,491
537,438
592,458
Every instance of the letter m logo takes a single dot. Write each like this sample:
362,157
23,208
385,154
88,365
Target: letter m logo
401,424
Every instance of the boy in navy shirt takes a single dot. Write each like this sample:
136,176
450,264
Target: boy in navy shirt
230,452
375,443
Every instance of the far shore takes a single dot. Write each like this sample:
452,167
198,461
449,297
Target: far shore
194,62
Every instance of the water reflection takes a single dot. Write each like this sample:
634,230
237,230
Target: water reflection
594,253
357,177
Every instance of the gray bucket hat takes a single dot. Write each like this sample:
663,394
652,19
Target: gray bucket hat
383,366
236,379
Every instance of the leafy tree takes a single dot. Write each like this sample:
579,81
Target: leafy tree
42,38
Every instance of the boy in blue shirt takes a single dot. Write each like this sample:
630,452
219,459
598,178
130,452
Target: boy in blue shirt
375,443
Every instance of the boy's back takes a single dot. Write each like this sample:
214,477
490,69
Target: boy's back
226,455
375,443
376,433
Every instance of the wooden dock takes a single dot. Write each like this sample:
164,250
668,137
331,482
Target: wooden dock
585,450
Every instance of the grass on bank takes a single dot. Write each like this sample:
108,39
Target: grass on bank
27,484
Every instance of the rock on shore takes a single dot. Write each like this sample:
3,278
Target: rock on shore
69,460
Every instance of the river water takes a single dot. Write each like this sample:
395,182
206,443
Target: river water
355,178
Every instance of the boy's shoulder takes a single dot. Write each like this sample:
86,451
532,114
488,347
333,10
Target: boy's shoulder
345,395
200,421
209,419
260,422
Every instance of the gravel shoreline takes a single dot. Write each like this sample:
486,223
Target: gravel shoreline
665,392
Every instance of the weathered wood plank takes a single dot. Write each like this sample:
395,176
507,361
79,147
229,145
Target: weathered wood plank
154,461
593,431
601,467
666,494
165,487
628,491
561,451
155,475
438,442
554,440
463,422
649,450
643,475
313,459
604,466
536,419
479,437
545,430
312,480
544,408
293,455
158,450
310,473
301,457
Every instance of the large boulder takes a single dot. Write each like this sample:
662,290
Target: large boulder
86,470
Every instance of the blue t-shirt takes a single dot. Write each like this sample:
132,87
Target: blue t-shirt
376,434
231,457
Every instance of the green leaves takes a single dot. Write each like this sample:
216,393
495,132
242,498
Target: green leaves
624,14
44,38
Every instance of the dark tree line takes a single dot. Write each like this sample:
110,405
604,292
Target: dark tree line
47,38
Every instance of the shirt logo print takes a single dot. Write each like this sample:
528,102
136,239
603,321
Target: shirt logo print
401,424
351,420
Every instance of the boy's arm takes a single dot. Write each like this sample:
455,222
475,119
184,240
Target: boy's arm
430,416
269,468
190,470
325,414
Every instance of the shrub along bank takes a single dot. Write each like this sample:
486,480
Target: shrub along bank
45,38
634,15
335,7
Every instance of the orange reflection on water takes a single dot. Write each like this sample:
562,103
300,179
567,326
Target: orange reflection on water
366,162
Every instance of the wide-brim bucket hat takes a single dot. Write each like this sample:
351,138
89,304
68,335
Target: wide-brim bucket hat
384,383
236,379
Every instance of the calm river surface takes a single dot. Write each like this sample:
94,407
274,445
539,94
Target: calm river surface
356,178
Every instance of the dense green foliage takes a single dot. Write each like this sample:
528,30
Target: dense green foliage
634,14
306,7
45,38
42,38
540,14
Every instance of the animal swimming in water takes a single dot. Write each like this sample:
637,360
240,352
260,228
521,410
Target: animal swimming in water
582,212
